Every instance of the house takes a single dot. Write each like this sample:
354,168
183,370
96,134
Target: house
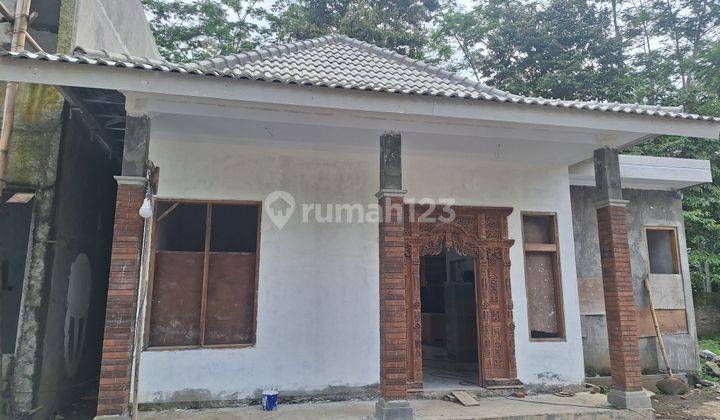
56,212
437,234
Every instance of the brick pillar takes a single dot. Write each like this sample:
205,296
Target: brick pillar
620,309
393,313
116,368
393,310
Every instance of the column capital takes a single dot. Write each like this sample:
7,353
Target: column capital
615,202
139,181
390,193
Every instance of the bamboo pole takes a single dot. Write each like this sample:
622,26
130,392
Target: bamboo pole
658,333
5,12
22,13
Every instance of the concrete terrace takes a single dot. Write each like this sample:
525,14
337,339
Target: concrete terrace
583,405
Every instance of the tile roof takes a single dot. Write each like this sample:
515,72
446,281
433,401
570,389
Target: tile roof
337,61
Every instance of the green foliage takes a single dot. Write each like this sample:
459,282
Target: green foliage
710,343
535,48
192,30
399,25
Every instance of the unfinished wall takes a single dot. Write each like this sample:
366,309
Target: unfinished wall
113,25
15,221
33,160
56,291
671,293
317,321
78,281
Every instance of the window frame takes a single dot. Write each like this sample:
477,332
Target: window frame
554,249
206,251
675,248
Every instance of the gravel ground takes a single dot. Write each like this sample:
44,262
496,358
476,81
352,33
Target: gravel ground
702,403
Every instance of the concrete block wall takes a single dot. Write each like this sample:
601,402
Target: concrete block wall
646,208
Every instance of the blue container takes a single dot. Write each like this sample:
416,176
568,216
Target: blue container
269,400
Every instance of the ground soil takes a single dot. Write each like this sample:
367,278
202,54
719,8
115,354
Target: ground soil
701,403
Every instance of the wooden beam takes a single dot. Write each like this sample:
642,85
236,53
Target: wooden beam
88,118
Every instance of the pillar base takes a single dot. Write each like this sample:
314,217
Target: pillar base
393,410
633,400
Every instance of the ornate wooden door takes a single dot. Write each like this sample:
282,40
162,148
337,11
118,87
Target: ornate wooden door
480,232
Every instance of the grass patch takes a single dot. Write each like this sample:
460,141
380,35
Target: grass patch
712,344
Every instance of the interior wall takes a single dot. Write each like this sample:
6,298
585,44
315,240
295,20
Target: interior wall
460,309
672,294
317,321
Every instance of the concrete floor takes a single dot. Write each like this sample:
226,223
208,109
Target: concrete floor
583,405
435,379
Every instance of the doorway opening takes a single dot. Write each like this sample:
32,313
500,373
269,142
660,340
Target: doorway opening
449,321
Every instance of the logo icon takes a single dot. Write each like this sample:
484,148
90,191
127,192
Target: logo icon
280,206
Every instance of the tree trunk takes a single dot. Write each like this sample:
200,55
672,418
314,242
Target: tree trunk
708,277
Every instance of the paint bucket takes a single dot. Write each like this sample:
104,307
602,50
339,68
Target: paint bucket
269,400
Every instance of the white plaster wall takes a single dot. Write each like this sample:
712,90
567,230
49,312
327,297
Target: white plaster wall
318,283
524,188
318,314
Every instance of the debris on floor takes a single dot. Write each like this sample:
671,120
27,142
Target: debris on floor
713,368
697,404
565,393
708,355
464,398
519,394
592,388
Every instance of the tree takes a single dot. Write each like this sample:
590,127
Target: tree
191,30
536,48
400,25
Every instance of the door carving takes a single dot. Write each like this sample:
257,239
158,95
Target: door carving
480,232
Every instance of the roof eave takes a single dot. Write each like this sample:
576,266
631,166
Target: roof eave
276,94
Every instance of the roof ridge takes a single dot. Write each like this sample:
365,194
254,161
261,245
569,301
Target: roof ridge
425,67
224,62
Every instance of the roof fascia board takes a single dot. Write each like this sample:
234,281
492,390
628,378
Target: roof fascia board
140,104
142,81
649,172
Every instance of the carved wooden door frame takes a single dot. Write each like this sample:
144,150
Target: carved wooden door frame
480,232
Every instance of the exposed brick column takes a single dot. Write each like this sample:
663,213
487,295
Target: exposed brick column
116,367
393,311
620,309
120,314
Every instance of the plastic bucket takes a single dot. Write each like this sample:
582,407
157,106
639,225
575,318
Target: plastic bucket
269,400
